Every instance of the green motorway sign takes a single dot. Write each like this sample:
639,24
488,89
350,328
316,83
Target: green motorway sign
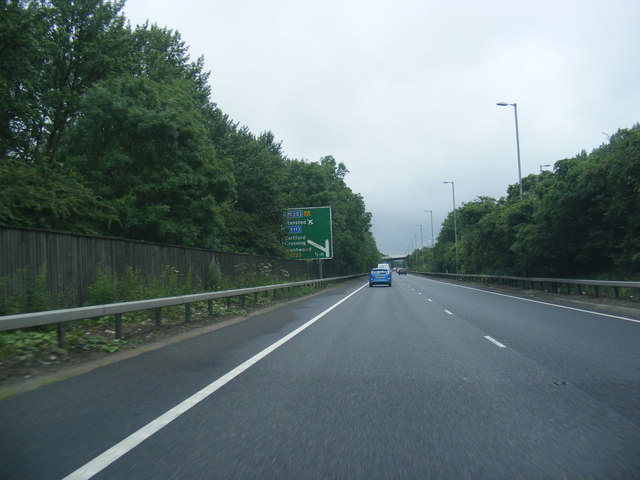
308,233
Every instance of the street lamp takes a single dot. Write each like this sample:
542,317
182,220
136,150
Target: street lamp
515,111
421,243
410,255
455,223
541,166
433,243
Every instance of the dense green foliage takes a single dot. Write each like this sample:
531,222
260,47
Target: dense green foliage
581,220
111,130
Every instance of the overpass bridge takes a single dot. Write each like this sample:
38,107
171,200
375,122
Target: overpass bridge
394,260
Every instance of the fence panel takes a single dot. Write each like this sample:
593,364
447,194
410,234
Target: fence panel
72,262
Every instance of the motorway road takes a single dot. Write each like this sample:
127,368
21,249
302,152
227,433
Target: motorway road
420,380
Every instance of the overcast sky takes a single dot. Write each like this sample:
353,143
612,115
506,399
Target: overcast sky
404,92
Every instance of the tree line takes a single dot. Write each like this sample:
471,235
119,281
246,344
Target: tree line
580,220
111,130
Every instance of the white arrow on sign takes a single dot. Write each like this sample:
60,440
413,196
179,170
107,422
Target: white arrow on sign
324,249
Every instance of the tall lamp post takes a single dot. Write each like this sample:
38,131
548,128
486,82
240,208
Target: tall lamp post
455,223
433,243
515,111
421,243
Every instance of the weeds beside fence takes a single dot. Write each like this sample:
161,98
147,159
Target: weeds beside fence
41,270
44,337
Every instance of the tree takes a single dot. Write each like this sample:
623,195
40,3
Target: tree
143,146
255,223
160,54
112,130
37,196
71,45
582,220
318,184
21,33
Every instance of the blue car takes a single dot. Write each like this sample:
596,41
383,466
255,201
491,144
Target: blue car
380,276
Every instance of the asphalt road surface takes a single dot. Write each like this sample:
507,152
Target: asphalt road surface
420,380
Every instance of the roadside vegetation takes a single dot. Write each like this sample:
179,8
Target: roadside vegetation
581,220
113,130
110,129
25,352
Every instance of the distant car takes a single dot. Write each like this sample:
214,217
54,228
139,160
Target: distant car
402,271
380,276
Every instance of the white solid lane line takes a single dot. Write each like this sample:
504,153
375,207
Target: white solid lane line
108,457
565,307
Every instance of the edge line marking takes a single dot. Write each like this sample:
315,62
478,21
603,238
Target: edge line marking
105,459
619,317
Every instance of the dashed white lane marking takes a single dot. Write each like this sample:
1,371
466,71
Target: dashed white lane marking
447,311
114,453
493,340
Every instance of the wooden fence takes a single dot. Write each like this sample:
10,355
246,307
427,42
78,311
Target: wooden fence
71,262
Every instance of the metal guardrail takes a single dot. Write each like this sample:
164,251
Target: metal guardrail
553,283
59,317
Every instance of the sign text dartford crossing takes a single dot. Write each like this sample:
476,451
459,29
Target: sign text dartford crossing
308,233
